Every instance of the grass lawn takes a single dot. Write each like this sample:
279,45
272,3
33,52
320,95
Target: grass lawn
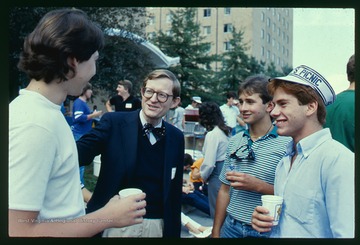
89,178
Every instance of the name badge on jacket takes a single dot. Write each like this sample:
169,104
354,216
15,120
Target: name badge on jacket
173,172
128,105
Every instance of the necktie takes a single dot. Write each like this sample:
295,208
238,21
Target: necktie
157,132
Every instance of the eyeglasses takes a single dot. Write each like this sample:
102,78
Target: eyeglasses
160,96
250,156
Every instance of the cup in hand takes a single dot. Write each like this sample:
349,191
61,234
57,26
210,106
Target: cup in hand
273,204
129,191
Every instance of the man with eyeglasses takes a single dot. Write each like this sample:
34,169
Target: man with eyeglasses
250,162
138,149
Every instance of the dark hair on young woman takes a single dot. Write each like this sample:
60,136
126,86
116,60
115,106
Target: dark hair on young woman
210,116
60,34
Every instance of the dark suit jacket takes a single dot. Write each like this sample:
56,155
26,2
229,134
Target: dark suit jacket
115,138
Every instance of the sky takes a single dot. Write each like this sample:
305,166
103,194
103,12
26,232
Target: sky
324,39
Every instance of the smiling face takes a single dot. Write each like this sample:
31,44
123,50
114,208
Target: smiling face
153,109
290,116
252,108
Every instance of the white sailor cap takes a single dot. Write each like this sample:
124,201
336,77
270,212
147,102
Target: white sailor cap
197,99
307,76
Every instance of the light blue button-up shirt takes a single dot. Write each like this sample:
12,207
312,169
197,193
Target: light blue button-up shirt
318,190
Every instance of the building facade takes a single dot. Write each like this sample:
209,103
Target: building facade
268,32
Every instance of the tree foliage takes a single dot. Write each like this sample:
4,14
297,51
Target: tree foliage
120,59
236,64
185,41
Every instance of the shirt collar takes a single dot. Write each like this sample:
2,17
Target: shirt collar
272,133
308,144
143,120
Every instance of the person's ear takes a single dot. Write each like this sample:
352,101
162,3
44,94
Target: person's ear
269,106
175,102
312,108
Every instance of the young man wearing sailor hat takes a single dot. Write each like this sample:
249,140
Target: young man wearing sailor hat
316,175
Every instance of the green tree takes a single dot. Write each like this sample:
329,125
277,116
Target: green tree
271,70
186,42
120,58
236,64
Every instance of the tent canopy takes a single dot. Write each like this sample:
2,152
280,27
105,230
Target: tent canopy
157,57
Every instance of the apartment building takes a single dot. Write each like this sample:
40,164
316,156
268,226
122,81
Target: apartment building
268,32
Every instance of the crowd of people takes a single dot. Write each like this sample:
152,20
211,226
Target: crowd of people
287,136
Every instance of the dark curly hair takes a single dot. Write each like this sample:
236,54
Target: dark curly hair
210,116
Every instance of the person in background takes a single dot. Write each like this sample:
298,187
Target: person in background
340,116
82,123
230,111
241,125
44,189
250,163
139,149
194,195
215,144
195,103
195,229
124,100
316,175
178,117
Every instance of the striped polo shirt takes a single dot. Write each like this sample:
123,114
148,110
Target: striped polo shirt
268,151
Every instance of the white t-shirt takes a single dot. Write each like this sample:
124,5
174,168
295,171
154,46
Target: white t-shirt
43,160
230,113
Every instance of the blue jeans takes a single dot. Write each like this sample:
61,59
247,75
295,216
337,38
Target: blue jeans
197,200
233,228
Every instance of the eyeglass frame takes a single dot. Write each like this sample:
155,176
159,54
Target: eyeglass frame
250,156
143,90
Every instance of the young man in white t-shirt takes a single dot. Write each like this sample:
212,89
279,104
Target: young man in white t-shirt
44,187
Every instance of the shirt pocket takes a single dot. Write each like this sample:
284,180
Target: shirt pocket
300,205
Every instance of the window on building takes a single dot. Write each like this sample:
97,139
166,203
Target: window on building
151,35
262,34
206,30
262,16
227,11
227,46
268,22
228,28
208,48
169,18
151,20
268,38
262,51
207,12
268,54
